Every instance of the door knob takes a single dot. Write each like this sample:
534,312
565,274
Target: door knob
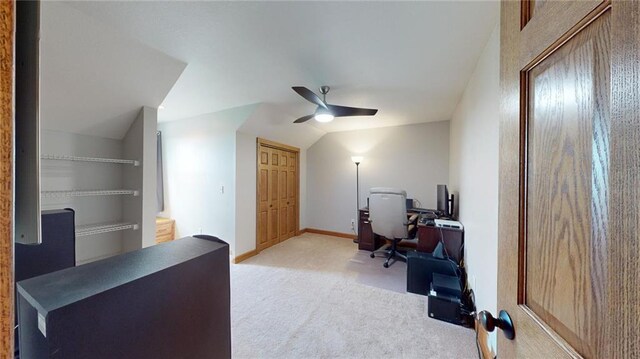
503,321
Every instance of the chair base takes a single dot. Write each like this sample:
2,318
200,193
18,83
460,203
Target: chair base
391,252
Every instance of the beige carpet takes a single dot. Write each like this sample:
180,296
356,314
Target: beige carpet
317,296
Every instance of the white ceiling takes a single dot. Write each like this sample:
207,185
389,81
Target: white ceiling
95,81
411,60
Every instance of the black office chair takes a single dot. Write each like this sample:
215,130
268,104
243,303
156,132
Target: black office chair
388,218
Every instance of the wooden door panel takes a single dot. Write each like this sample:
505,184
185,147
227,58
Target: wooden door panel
570,178
539,9
566,187
283,224
292,193
263,183
264,156
292,161
263,197
273,226
291,185
549,25
273,195
263,225
282,183
292,220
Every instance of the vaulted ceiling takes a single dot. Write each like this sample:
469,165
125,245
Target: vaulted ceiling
95,80
411,60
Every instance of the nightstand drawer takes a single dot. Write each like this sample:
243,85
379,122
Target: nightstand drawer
164,238
165,230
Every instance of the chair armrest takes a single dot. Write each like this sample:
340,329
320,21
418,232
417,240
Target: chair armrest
413,218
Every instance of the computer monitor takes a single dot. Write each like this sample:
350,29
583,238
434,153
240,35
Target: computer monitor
443,200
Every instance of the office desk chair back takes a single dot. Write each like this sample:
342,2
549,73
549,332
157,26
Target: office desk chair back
388,218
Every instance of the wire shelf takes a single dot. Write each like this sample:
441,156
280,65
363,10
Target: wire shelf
74,193
91,229
89,159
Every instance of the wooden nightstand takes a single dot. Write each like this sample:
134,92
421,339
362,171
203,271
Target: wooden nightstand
165,229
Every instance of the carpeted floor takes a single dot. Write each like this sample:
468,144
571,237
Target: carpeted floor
317,296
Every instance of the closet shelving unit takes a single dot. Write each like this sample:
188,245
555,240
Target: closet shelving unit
91,229
96,228
90,159
88,193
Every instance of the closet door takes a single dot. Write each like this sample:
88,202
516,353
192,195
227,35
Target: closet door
292,194
277,193
273,191
283,195
268,190
264,175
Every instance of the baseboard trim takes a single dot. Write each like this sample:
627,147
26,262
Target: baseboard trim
329,233
244,256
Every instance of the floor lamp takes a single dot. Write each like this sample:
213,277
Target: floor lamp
357,160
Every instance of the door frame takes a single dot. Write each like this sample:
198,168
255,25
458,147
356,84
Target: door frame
7,39
281,147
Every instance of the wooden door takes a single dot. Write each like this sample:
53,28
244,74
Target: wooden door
277,193
292,194
273,234
7,288
267,197
283,196
569,273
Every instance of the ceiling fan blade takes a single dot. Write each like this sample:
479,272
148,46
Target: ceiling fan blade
309,95
303,119
342,111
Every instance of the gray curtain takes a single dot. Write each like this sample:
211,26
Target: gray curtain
159,175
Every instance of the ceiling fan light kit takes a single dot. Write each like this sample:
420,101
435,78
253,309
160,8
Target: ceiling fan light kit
323,115
326,112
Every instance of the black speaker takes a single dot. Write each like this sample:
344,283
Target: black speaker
56,252
170,300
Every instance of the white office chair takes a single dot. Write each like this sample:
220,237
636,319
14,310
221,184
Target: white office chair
388,218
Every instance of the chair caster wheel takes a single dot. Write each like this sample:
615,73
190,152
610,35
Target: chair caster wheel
372,255
386,265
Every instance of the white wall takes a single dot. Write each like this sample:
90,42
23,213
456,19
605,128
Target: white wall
199,157
139,144
413,157
245,193
66,175
474,174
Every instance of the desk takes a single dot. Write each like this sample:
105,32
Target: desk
428,237
367,240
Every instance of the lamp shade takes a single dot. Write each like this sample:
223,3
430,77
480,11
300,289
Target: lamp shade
356,159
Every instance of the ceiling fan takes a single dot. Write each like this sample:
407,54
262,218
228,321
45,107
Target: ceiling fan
326,112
